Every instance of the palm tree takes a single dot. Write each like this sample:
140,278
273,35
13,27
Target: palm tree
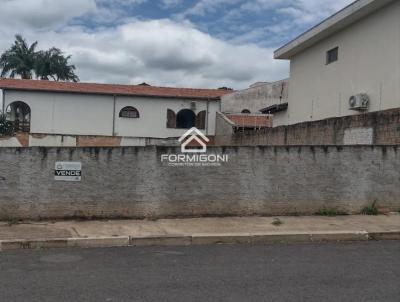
23,60
19,59
53,64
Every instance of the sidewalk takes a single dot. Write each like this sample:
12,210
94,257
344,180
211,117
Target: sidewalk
102,233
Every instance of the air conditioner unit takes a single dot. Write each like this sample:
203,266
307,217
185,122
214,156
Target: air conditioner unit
193,106
359,102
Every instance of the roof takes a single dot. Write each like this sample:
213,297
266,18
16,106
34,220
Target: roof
350,14
275,108
112,89
250,120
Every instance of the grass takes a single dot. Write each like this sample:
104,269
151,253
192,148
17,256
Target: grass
277,222
11,222
330,212
370,210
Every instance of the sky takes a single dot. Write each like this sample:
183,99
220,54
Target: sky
179,43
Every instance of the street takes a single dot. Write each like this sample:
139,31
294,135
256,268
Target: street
363,271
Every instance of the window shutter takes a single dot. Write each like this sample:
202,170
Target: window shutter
171,119
201,120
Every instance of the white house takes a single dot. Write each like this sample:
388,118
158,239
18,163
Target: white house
348,64
57,109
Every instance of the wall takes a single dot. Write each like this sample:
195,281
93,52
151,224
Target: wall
132,182
54,140
369,62
153,116
79,114
62,113
256,97
381,127
224,126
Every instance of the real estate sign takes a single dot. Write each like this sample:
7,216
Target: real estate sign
68,171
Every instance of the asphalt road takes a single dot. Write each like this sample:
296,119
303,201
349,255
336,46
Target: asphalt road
365,271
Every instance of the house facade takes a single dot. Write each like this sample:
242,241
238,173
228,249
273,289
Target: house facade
257,97
348,64
132,112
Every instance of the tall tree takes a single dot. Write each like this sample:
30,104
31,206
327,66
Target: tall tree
19,59
53,64
24,61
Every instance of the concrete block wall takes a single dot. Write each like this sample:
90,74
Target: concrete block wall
381,127
132,182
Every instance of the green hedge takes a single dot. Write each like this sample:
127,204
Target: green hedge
6,127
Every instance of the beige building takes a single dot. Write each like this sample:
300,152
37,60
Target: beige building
348,64
256,98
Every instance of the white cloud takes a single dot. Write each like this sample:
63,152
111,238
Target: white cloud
170,3
161,52
205,6
310,11
42,13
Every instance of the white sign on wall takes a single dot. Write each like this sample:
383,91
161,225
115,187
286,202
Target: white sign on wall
68,171
358,136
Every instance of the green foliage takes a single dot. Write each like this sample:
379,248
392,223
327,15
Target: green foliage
6,127
52,64
23,60
370,210
330,212
12,222
277,222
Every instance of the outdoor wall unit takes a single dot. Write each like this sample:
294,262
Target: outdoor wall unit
359,102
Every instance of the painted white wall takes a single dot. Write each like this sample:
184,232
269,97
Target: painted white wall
52,141
83,114
153,116
10,142
61,113
369,62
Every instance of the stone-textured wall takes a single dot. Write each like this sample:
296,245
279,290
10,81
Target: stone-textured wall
132,182
381,128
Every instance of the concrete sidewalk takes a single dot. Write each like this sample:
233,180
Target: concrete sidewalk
197,231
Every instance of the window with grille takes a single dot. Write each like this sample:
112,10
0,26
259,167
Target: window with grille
332,55
129,112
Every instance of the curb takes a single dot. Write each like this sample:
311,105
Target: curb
197,239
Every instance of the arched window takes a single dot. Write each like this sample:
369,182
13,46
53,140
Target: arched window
129,112
246,111
185,119
19,113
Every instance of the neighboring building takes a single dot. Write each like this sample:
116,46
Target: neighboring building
242,110
255,98
342,63
229,123
82,109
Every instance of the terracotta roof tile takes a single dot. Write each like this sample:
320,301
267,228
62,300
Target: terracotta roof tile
112,89
251,120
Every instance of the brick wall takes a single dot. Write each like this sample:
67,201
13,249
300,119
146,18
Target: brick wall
381,127
264,180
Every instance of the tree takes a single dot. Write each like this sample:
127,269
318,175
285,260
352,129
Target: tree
19,59
52,64
23,60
